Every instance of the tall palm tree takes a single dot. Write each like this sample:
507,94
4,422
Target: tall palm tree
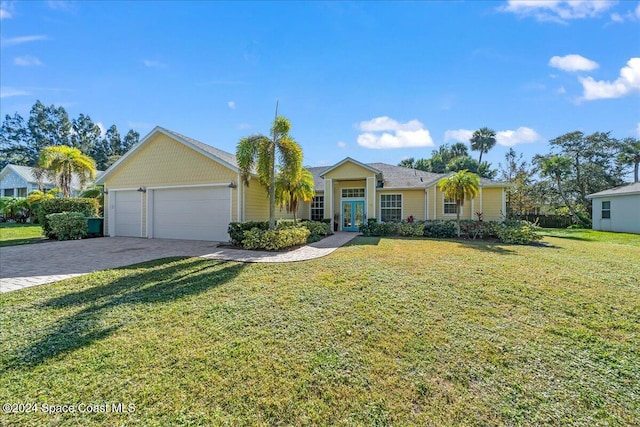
630,155
483,140
557,168
261,151
290,192
62,162
458,187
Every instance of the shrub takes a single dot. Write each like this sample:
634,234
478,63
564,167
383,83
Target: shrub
518,232
411,228
87,207
281,224
378,229
441,229
273,240
236,229
67,225
317,228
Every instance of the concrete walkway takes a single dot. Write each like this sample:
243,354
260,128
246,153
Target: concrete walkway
36,264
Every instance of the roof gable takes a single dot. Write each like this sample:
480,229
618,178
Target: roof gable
226,159
348,160
618,191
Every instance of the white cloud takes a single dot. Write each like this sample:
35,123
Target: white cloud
561,90
507,138
26,61
460,135
616,17
638,11
573,63
397,135
628,82
153,64
522,135
13,41
6,92
4,13
231,105
103,130
559,11
342,144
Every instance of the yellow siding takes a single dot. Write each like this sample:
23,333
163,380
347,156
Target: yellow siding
412,202
492,204
257,204
163,161
348,170
465,212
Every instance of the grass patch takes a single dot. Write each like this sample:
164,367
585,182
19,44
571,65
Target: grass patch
381,332
19,234
592,235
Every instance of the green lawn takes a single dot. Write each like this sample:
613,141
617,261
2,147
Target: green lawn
19,234
381,332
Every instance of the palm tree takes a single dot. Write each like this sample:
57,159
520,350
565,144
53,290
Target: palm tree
459,186
557,167
483,140
630,155
261,151
290,192
62,162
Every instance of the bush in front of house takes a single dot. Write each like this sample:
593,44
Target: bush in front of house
518,232
317,228
236,229
67,225
440,229
86,206
274,240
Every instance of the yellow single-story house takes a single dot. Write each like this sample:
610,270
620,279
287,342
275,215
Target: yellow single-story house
174,187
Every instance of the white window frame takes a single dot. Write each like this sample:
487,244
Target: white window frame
354,198
312,207
603,210
381,208
446,202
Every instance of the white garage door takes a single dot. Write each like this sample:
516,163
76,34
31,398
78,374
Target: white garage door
201,213
127,213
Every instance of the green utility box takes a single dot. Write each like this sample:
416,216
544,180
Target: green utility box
95,226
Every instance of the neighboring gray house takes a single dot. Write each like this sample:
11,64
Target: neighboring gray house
617,209
19,181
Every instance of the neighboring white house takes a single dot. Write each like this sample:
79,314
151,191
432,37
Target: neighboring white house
617,209
19,181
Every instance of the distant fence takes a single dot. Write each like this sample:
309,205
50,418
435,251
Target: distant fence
549,221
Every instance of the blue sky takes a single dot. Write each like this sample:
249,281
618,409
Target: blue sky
376,81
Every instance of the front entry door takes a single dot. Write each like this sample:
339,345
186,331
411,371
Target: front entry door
352,215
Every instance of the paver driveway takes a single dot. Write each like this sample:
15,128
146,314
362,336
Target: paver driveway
29,265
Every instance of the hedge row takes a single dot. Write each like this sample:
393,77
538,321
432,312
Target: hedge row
274,240
517,232
316,230
86,206
67,225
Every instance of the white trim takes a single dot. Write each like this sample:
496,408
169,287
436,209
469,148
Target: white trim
124,189
426,204
170,187
150,194
354,188
401,204
435,202
504,204
451,214
311,206
143,195
375,196
480,195
168,134
355,162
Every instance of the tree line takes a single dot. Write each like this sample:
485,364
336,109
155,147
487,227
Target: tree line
22,140
556,182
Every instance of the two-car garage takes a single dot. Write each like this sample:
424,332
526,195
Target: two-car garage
193,213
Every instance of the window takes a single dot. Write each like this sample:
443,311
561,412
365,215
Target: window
8,192
317,208
349,193
390,207
450,206
606,210
22,192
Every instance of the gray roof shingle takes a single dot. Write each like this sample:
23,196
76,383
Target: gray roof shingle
618,191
